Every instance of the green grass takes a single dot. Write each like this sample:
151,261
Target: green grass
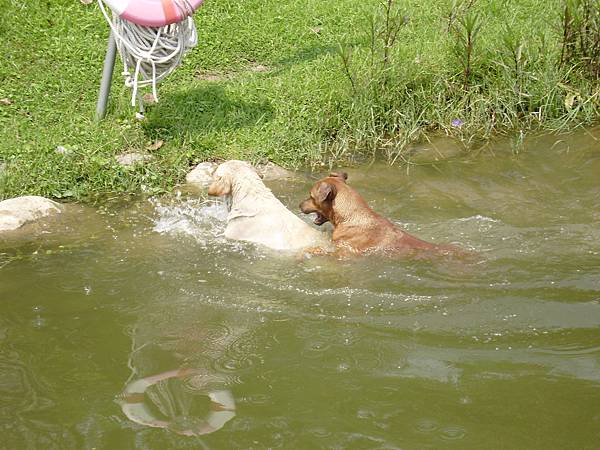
306,108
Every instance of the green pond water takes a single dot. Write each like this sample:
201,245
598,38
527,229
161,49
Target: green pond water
319,353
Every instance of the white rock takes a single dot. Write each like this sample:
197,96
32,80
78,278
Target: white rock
16,212
271,171
202,174
132,158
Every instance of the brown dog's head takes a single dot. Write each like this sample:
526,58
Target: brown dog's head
321,197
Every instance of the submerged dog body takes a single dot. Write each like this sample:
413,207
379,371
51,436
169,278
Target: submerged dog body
256,215
359,229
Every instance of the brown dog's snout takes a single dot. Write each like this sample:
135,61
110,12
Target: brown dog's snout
307,206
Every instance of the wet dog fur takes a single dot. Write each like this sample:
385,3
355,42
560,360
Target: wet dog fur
256,215
358,229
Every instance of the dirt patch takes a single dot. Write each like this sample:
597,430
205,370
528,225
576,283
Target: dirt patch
213,76
216,76
253,66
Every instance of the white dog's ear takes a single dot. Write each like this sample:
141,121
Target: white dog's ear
219,187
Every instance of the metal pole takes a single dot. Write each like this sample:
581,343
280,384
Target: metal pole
107,72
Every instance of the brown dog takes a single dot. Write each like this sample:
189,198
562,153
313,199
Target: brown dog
357,228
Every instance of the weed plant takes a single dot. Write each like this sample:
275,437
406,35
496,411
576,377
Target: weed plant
498,77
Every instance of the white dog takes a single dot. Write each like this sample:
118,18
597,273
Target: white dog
256,215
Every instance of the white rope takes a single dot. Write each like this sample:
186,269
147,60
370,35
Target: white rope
151,53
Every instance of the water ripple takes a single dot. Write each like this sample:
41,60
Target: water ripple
453,433
239,355
427,426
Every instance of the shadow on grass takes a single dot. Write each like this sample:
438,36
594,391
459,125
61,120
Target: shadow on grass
307,54
203,110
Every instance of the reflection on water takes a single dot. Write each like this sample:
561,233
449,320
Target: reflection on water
146,302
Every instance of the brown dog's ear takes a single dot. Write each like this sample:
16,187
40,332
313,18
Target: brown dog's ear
324,191
343,176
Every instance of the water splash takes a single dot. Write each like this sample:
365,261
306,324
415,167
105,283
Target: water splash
204,220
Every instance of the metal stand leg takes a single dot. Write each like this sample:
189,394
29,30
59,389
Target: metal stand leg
107,72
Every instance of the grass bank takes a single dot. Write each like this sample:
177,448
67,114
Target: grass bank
294,82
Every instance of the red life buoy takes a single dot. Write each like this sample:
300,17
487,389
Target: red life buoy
153,13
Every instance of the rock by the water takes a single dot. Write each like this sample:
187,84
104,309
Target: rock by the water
16,212
271,171
132,158
202,174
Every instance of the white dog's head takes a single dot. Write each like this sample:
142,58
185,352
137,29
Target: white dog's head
230,172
